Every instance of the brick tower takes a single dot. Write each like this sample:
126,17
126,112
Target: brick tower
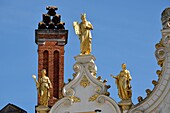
51,37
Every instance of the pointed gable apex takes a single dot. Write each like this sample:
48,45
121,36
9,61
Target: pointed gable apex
10,108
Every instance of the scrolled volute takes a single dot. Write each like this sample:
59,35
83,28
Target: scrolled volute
101,99
92,68
69,92
77,67
160,53
67,102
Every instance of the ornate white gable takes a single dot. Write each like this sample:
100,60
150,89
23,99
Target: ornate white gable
159,99
85,93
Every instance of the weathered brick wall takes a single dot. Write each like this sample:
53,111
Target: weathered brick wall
51,47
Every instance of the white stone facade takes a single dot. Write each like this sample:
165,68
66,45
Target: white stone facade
85,94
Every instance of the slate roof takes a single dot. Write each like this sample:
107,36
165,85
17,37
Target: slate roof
11,108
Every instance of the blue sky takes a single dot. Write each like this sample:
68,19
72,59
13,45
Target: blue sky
124,32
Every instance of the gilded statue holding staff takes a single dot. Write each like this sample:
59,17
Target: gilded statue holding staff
43,86
84,33
123,84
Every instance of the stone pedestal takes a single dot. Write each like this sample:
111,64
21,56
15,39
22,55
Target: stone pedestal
125,105
85,58
42,109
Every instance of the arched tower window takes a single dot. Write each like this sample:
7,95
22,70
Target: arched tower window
56,74
45,60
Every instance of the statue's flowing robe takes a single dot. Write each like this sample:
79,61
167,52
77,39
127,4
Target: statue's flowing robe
85,38
44,92
123,85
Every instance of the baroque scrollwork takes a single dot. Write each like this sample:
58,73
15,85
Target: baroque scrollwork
165,18
77,67
75,99
101,100
98,89
160,52
92,68
84,82
70,92
93,97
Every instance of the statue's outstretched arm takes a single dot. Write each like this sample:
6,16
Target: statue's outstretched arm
113,76
37,83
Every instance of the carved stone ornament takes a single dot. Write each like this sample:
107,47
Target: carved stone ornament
101,99
166,18
166,41
75,99
84,82
70,92
85,93
160,53
93,98
77,67
92,68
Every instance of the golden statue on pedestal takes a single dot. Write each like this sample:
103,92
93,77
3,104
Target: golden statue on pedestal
123,84
83,31
43,85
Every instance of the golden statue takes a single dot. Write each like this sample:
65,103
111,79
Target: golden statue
123,83
43,85
83,31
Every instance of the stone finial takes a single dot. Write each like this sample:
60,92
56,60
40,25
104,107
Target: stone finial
105,81
74,75
166,18
42,25
69,80
56,19
46,18
160,63
159,73
51,10
107,94
154,82
60,25
140,99
99,78
51,25
108,86
148,91
51,20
